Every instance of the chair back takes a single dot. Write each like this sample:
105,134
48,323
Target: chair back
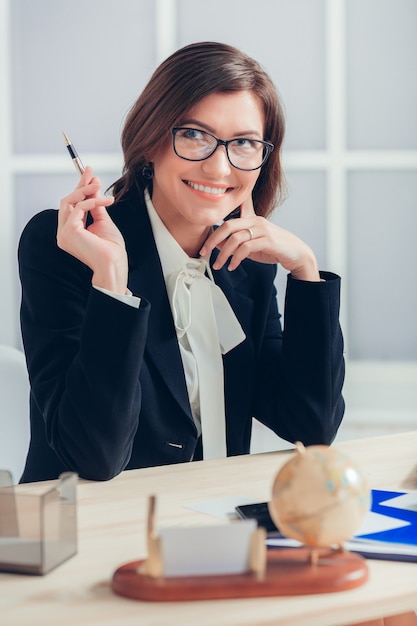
14,411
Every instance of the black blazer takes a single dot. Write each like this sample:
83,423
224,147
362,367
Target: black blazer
108,391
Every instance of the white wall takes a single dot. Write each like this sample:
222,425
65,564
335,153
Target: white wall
346,72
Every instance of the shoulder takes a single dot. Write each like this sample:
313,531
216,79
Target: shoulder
42,219
38,250
39,231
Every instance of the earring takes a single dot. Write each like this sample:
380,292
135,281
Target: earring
147,171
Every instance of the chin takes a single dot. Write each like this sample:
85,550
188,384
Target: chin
210,217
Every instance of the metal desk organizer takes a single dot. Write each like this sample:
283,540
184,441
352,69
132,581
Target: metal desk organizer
38,528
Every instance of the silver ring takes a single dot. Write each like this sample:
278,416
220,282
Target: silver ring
250,231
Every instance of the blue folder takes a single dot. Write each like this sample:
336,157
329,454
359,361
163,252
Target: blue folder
399,544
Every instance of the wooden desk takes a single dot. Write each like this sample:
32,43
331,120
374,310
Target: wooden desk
111,532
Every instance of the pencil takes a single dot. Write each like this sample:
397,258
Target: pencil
74,155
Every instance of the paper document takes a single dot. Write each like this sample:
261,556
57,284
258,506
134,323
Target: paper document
406,501
222,508
389,530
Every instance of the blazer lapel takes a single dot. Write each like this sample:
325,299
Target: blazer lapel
146,280
230,283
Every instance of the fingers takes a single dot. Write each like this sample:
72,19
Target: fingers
236,239
88,188
75,207
83,199
238,246
259,240
245,220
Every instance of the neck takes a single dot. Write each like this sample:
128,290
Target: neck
190,237
192,244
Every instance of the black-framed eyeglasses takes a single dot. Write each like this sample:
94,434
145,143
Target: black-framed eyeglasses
244,153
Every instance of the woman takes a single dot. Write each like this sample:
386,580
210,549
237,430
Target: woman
149,320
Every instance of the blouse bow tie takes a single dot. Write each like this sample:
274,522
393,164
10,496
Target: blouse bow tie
195,282
203,314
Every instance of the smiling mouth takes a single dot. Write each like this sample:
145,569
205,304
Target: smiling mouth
217,191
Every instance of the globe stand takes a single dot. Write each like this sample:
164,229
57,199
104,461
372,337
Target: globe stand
288,572
277,572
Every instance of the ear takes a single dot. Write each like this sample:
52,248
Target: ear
147,171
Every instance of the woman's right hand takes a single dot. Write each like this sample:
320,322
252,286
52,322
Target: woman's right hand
100,245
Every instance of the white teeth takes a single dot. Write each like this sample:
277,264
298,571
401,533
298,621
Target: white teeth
216,190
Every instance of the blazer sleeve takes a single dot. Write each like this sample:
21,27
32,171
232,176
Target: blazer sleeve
84,351
301,368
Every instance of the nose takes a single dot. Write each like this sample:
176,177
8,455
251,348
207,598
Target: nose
217,164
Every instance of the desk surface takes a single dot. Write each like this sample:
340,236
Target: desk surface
112,531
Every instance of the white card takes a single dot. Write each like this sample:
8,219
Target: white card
206,550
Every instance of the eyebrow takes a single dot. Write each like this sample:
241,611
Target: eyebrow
210,129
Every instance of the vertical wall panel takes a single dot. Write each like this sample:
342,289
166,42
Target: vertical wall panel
78,66
382,70
382,299
303,213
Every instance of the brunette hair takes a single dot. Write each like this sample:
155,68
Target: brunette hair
179,83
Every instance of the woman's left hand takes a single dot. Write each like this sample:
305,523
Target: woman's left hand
253,237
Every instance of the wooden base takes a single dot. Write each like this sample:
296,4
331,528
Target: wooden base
288,572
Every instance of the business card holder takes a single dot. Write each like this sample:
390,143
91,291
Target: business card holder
38,526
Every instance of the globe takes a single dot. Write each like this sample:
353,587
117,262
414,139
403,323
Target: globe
319,497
